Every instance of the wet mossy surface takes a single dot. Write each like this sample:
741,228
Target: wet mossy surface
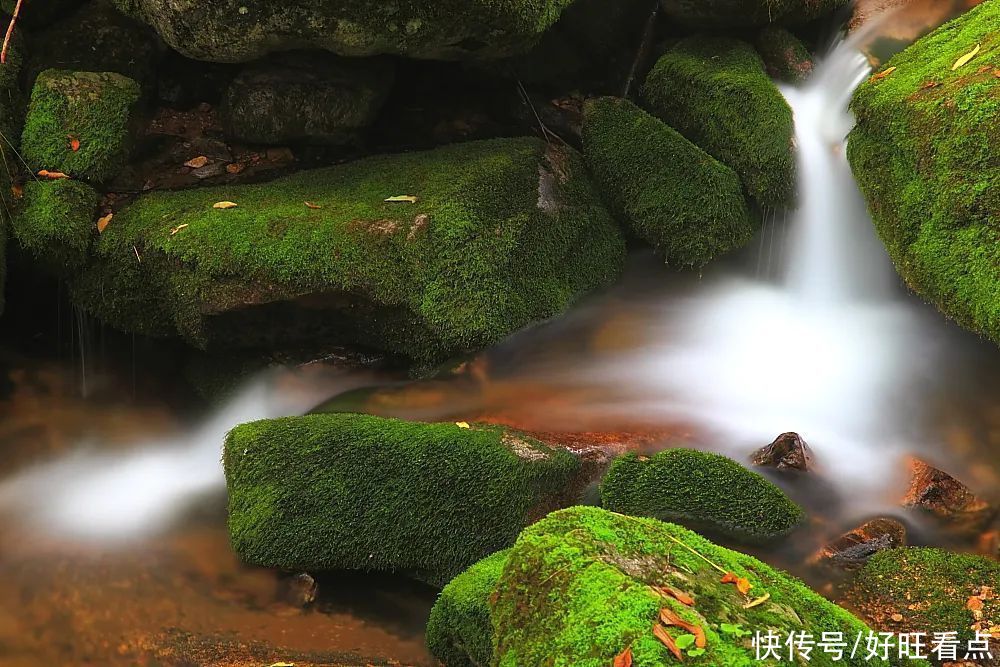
785,57
503,233
701,489
55,222
580,585
671,193
349,491
715,91
926,155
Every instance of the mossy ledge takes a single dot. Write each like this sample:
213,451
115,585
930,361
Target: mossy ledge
55,222
580,585
503,233
704,490
349,491
672,194
926,154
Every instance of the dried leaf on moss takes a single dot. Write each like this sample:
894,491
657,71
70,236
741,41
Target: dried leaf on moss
966,58
623,659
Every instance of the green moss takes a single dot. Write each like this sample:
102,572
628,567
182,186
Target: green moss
706,490
577,585
715,92
504,232
347,491
671,193
95,108
785,57
460,629
926,154
928,587
55,222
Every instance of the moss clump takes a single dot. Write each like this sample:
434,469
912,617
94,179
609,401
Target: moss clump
460,628
929,588
715,92
705,490
95,108
348,491
504,232
671,193
926,154
55,221
579,585
741,13
785,57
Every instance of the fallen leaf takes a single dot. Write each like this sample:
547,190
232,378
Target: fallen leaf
743,585
660,633
224,204
17,190
974,603
884,73
405,199
282,664
623,659
668,617
309,204
966,58
462,424
197,162
680,596
759,601
74,144
45,173
103,221
177,229
930,84
234,167
898,618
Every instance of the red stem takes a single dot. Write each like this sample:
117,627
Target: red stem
10,32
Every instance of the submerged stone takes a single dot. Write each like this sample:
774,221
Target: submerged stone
853,549
715,92
502,233
670,192
788,452
942,496
703,490
356,492
926,155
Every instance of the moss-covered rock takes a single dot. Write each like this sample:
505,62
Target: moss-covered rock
785,57
349,491
242,30
715,92
917,589
582,584
313,97
671,193
700,489
97,109
740,13
460,628
926,154
11,119
503,233
55,222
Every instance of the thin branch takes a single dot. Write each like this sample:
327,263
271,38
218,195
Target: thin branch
10,32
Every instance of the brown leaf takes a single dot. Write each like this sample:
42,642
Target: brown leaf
668,617
235,167
197,162
623,659
53,175
74,144
974,603
309,204
17,190
103,222
680,596
966,58
224,204
884,73
660,633
743,584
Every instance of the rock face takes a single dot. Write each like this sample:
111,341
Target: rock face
928,161
672,194
785,57
357,492
944,497
853,549
95,109
55,222
702,490
715,92
460,628
585,584
243,30
788,452
740,13
503,233
311,97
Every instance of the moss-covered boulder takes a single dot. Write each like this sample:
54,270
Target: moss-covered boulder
55,222
585,584
917,589
306,96
80,123
702,490
460,627
785,57
242,30
350,491
926,154
741,13
670,192
715,91
502,233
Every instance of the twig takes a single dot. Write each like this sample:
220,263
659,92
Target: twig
546,132
643,51
697,554
10,32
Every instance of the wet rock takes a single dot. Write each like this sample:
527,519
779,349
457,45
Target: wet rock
785,57
788,452
299,590
312,97
939,494
853,549
741,13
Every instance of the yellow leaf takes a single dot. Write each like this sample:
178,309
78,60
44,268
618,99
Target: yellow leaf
197,162
282,664
309,204
404,199
884,73
966,58
224,204
102,223
177,229
759,601
462,424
